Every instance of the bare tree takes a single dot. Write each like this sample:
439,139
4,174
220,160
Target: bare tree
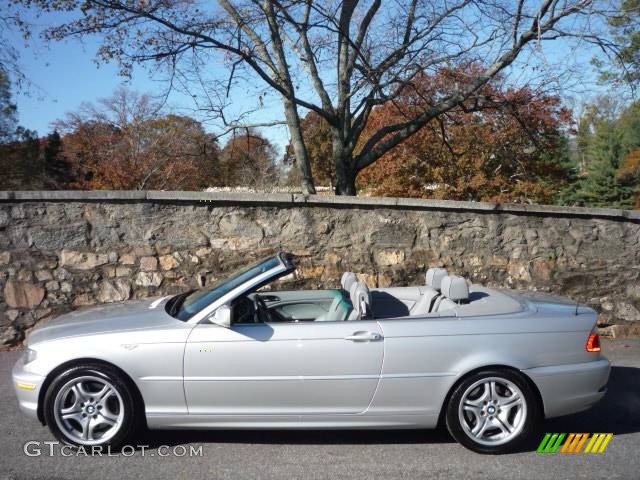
9,58
340,59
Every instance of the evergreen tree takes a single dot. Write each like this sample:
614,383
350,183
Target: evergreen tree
604,140
624,66
602,187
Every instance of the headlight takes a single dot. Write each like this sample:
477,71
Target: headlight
30,355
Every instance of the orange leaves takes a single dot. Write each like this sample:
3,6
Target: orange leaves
124,144
631,164
630,169
248,160
317,138
500,145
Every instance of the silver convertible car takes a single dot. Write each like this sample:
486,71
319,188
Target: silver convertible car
486,363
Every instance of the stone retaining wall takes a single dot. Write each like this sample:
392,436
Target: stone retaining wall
60,250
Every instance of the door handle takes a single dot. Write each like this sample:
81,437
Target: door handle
364,337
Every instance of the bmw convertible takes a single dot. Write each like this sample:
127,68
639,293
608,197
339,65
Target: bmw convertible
486,363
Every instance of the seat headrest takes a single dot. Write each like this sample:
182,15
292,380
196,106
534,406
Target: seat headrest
348,279
434,277
360,299
455,288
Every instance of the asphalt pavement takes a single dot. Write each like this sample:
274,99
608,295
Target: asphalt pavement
337,454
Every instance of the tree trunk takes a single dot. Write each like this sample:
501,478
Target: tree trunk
343,161
299,148
346,183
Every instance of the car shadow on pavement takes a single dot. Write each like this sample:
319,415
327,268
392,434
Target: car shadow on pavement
155,438
618,413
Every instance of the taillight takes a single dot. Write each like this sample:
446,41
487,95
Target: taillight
593,342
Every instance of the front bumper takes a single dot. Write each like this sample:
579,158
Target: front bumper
27,387
567,389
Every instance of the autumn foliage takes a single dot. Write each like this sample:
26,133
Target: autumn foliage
125,144
630,170
248,159
503,145
317,139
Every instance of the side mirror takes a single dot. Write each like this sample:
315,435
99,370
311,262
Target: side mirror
222,316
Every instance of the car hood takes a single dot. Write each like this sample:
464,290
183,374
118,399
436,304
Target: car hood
114,317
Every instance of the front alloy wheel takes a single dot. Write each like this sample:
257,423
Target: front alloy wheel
492,411
90,405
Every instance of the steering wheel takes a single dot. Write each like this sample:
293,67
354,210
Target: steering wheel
262,312
244,310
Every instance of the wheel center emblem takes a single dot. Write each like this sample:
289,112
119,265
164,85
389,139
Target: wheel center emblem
491,410
91,409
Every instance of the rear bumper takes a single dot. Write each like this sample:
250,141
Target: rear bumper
27,387
567,389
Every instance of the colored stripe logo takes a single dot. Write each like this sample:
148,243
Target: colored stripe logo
574,443
550,443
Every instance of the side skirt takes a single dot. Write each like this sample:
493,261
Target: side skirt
303,422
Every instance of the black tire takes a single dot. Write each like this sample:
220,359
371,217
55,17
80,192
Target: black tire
131,411
521,434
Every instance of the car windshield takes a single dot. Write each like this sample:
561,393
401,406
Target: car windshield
186,305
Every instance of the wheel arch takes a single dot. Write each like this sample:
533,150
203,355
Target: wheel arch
85,360
464,376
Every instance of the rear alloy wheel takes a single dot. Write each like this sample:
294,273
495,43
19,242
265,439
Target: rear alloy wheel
90,405
492,411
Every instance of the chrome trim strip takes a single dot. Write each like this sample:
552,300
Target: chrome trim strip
296,377
157,302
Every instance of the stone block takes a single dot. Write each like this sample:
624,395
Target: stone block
44,275
128,259
24,275
168,262
82,260
22,294
621,331
113,291
83,299
148,264
148,279
389,257
123,271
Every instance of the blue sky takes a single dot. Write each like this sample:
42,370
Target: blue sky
65,75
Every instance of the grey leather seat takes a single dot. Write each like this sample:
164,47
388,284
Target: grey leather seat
347,279
340,306
430,293
454,291
434,277
360,301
